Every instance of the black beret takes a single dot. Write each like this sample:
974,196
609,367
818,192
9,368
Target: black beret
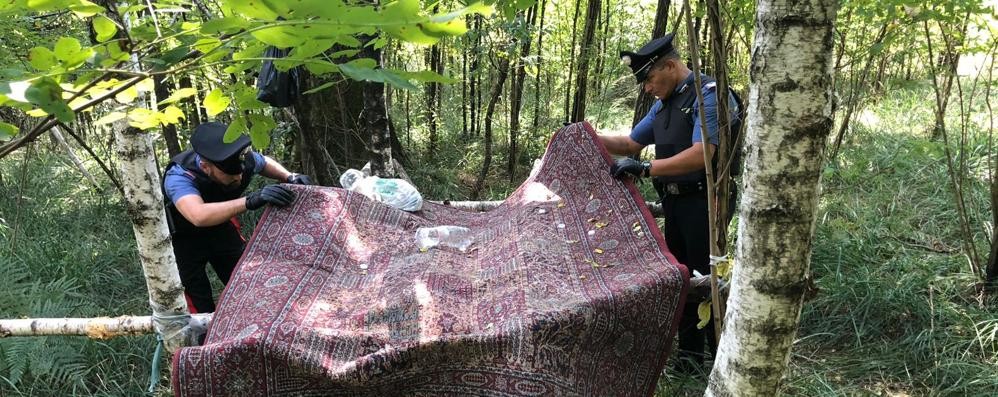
641,60
207,142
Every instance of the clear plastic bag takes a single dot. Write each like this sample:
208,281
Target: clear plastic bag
395,192
444,236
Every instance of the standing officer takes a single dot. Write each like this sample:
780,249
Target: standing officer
673,126
204,189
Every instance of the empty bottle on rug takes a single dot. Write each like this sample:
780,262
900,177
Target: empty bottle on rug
445,236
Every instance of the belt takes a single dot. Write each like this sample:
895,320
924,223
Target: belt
680,188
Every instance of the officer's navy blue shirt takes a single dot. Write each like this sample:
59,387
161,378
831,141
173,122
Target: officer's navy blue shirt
644,135
179,182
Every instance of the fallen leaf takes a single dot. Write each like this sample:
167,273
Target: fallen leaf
600,225
598,250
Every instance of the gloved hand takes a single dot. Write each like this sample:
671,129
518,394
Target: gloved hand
276,195
299,179
627,166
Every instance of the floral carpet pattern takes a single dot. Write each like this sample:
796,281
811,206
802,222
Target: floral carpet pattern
567,290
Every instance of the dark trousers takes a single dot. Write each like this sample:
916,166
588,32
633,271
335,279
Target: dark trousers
687,233
221,246
688,237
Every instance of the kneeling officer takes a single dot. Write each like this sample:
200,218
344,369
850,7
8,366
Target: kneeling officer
203,188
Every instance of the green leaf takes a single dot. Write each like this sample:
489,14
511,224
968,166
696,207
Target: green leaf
105,28
171,115
216,102
7,131
319,67
412,34
207,44
67,48
143,119
236,128
260,130
396,80
47,95
127,95
283,36
246,97
320,88
224,25
175,54
427,76
42,58
267,10
178,95
69,51
110,118
86,9
49,5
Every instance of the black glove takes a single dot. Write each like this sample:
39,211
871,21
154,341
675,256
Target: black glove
627,166
299,179
276,195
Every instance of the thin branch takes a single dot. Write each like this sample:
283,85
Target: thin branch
96,158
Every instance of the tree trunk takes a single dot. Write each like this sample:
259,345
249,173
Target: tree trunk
375,115
163,91
585,55
790,117
516,97
571,62
493,99
726,146
144,200
644,100
433,61
332,136
540,63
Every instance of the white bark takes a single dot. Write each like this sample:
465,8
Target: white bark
144,198
96,328
789,118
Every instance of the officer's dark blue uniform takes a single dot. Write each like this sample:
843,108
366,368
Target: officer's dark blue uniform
673,126
190,173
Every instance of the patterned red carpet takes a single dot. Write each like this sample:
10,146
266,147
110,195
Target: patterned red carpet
568,290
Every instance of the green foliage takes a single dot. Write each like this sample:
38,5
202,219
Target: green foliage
232,43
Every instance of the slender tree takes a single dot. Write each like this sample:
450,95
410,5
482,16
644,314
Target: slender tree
502,73
644,100
516,97
585,58
790,117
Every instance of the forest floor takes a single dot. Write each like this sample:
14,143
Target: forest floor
896,313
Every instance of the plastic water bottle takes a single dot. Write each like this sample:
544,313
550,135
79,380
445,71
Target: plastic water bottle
445,236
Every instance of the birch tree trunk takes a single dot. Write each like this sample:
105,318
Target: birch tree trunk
789,119
144,198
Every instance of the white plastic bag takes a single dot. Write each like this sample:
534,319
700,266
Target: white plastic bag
444,236
395,192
